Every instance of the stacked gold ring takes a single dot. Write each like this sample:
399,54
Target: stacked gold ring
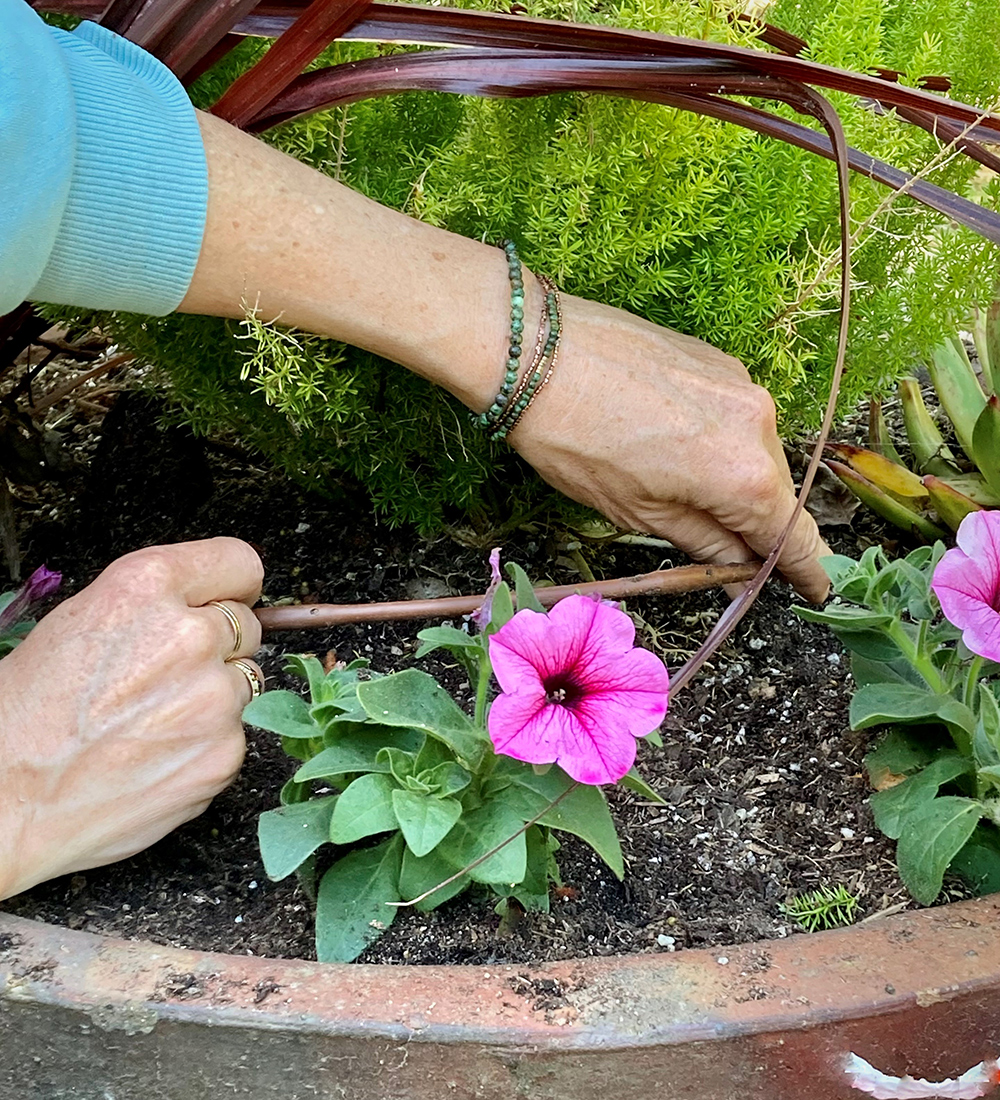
254,678
234,622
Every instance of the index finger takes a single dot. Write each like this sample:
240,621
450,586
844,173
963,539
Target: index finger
799,559
216,569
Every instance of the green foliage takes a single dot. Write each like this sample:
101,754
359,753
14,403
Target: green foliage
693,223
826,907
935,771
943,490
13,634
412,795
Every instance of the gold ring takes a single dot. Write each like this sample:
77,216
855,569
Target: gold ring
234,622
254,678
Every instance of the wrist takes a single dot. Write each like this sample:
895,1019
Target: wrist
331,261
469,355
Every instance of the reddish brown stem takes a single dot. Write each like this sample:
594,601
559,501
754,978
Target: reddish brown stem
685,578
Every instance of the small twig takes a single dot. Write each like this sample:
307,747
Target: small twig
8,532
95,372
685,578
492,852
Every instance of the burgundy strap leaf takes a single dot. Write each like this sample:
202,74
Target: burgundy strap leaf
445,26
517,73
318,26
181,33
205,24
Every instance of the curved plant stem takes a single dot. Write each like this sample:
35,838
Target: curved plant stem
684,578
971,680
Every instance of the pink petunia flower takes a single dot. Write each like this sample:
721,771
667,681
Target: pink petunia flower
967,582
576,692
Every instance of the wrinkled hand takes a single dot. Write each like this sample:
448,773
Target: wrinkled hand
119,718
665,434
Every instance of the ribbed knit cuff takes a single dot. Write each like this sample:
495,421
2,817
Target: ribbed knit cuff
133,223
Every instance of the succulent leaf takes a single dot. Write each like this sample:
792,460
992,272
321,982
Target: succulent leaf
930,451
951,505
886,506
986,443
880,471
958,389
989,346
879,439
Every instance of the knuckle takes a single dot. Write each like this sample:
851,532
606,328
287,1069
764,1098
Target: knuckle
223,761
245,558
143,572
759,489
759,408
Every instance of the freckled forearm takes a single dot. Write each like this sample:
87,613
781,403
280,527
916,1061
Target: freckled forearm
302,247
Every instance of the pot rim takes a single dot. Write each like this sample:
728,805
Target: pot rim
882,966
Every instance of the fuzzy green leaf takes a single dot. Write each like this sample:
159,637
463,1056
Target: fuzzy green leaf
355,752
446,779
932,839
424,819
479,831
978,862
502,610
282,712
364,808
634,782
899,752
584,813
896,808
416,700
290,834
420,874
352,907
879,704
986,740
523,589
446,637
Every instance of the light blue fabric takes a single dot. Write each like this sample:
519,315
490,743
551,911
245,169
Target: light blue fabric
103,183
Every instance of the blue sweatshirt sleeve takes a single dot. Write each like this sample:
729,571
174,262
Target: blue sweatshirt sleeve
103,183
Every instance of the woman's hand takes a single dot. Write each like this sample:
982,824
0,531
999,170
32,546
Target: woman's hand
119,716
665,434
658,431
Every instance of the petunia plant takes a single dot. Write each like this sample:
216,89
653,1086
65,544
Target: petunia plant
421,801
924,632
15,607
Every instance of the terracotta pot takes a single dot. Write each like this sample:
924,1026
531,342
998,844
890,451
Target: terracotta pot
88,1018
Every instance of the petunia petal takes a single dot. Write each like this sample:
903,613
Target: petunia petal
525,726
637,670
957,572
619,692
966,591
590,748
979,537
544,645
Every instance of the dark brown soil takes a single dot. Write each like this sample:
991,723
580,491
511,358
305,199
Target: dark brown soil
763,783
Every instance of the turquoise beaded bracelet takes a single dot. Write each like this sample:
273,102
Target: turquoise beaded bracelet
500,402
514,398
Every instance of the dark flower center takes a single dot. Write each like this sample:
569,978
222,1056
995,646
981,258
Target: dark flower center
562,689
994,600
